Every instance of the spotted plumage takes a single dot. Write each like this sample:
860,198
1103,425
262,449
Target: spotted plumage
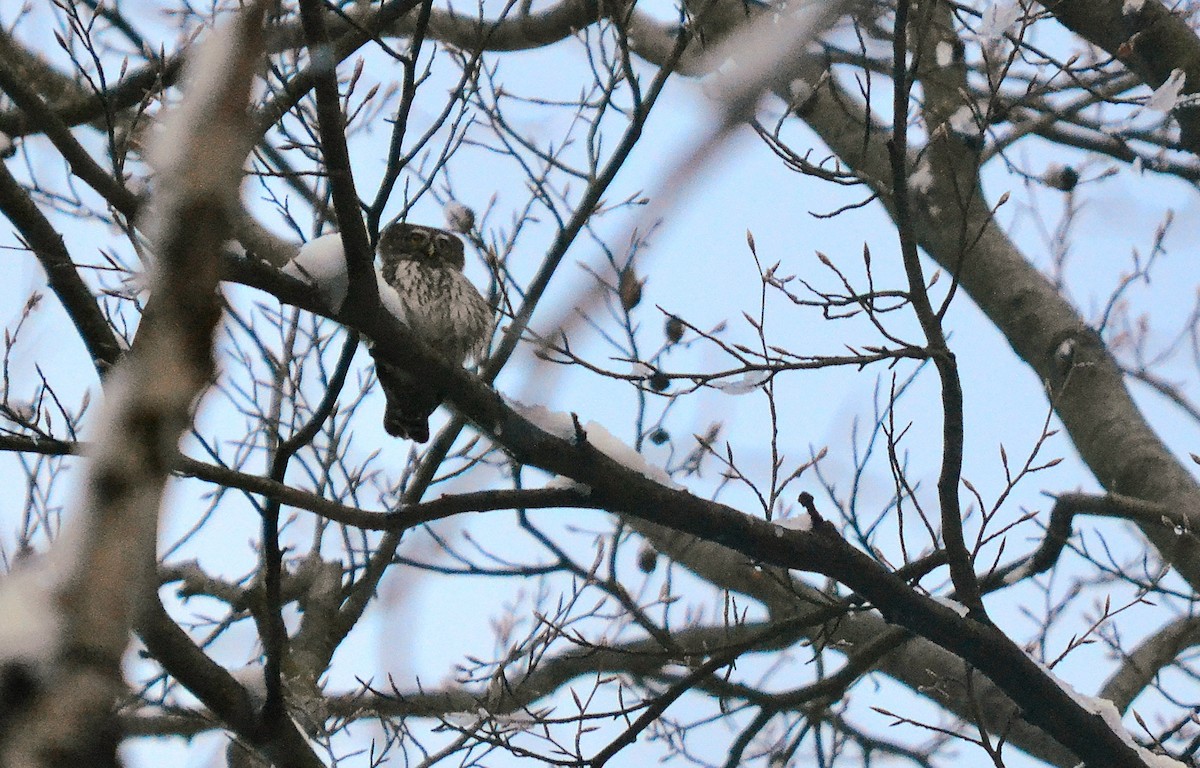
424,266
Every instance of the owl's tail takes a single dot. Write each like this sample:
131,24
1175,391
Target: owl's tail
409,402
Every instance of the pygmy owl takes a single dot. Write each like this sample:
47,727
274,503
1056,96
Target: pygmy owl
424,265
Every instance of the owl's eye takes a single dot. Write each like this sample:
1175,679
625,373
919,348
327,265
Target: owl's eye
416,238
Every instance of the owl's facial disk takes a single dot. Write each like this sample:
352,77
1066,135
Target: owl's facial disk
418,241
427,245
450,250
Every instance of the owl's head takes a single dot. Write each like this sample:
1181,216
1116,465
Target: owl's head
412,242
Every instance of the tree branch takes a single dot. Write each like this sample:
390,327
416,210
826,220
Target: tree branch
76,298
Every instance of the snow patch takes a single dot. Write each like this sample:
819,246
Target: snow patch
998,18
943,53
641,370
562,425
963,121
469,720
1065,350
555,423
1017,574
953,605
466,720
798,522
921,180
519,721
747,382
322,264
624,454
559,481
1166,97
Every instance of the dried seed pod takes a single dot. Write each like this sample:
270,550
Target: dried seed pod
647,558
1061,177
673,329
459,217
629,288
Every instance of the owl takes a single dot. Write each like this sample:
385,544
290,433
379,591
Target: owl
424,265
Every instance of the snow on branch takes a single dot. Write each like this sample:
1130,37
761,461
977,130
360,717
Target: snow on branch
1108,712
321,263
566,426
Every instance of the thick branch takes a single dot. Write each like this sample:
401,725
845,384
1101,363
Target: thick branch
336,155
70,102
1152,41
77,299
109,554
47,121
1139,668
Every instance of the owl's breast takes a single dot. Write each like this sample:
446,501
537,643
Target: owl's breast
444,308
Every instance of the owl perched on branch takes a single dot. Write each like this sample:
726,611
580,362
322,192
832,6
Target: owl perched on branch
424,265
